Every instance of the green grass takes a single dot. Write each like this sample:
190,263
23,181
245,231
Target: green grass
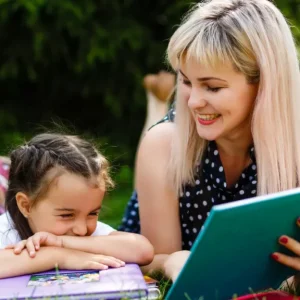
114,205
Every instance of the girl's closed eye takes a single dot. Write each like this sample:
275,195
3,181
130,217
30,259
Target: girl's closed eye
186,82
94,213
65,216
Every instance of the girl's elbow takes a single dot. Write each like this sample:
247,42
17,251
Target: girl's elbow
145,251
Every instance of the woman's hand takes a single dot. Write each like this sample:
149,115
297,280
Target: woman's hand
294,246
174,264
33,243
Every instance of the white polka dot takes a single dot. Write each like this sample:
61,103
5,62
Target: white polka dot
180,204
221,169
188,205
187,231
184,225
207,161
196,205
254,182
204,203
212,165
254,167
208,148
211,175
236,185
214,186
194,230
243,175
216,152
208,188
124,220
191,218
201,192
242,192
197,181
198,192
223,198
212,200
136,205
187,194
253,192
207,213
181,194
133,213
225,184
199,217
206,180
218,180
251,177
129,222
190,243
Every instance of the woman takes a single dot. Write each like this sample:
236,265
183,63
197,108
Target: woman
235,133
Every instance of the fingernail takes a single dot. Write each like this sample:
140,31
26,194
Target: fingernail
283,240
274,256
32,253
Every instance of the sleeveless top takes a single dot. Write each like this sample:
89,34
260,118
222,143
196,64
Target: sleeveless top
196,201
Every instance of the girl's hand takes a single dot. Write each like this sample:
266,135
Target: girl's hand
294,246
79,260
34,243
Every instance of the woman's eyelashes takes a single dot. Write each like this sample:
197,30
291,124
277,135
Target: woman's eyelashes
207,87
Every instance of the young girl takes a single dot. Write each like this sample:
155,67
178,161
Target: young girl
55,192
236,129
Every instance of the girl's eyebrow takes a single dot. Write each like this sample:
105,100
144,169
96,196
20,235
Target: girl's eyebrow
71,209
204,78
64,209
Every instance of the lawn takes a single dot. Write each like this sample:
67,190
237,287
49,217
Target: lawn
114,205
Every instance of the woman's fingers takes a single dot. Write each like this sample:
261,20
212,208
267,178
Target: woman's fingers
292,262
290,244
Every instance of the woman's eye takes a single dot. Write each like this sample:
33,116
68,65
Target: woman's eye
186,82
214,90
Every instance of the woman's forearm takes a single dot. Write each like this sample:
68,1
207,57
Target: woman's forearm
128,247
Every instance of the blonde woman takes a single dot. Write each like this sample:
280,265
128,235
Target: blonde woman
236,131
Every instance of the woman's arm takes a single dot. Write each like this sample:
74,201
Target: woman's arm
49,258
158,201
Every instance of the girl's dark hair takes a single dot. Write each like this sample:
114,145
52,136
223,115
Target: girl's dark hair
31,163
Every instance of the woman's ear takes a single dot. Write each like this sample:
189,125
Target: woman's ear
23,203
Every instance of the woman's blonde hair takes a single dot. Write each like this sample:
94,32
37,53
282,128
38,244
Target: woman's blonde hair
254,36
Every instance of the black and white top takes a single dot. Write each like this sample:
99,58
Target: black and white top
197,200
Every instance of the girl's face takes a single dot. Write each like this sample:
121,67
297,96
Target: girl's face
70,207
220,100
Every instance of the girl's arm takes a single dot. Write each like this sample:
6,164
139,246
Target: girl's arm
49,258
128,247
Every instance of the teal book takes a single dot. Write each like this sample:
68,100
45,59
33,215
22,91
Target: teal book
231,255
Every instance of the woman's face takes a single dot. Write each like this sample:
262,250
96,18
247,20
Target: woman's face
220,100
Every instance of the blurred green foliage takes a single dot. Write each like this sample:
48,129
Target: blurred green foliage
82,63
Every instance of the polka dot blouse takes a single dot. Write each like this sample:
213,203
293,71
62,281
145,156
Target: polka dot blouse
196,201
